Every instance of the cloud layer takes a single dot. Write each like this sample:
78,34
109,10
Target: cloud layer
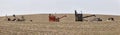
59,6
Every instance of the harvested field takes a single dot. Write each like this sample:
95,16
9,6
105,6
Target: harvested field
66,26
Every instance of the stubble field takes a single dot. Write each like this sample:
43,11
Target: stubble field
66,26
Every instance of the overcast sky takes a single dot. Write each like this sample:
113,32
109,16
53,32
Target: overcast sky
59,6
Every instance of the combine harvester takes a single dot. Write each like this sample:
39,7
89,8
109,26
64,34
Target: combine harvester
80,17
53,18
15,18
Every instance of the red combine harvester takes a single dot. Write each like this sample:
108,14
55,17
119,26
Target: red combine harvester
53,18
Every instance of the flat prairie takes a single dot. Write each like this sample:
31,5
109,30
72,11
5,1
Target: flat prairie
67,25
